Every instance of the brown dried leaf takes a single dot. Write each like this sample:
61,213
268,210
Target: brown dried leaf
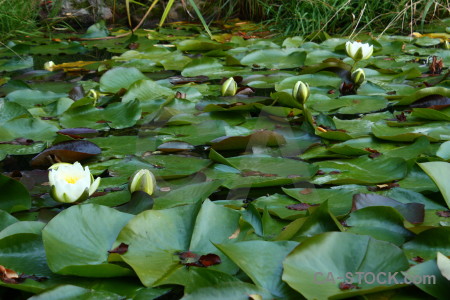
443,213
121,249
256,173
210,259
345,286
300,206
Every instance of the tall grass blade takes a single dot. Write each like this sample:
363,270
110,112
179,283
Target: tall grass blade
425,13
127,7
199,14
166,12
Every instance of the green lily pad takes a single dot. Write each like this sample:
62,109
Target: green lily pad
275,58
439,172
271,256
14,196
30,98
427,277
77,241
321,264
28,128
427,243
116,115
229,291
350,104
261,171
363,170
120,78
146,90
161,235
71,292
435,131
379,222
197,192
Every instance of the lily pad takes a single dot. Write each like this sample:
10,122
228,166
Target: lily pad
69,151
363,170
69,245
163,235
319,266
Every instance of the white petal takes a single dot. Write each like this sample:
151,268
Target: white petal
94,186
60,187
75,190
51,177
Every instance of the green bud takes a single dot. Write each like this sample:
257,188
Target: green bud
301,91
447,45
229,87
142,180
358,76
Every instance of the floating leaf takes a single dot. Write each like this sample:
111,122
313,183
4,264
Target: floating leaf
439,172
259,138
413,212
363,170
72,292
120,78
160,235
69,243
79,133
69,151
275,59
14,196
428,242
271,255
431,281
330,259
433,92
147,90
379,222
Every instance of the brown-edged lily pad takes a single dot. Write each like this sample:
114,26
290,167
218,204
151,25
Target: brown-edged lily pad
183,80
262,137
175,146
69,151
432,101
79,133
413,212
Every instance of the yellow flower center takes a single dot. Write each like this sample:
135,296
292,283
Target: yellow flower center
71,179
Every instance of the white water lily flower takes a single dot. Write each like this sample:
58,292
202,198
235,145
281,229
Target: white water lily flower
358,51
71,182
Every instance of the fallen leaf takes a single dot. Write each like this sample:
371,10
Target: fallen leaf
300,206
235,234
443,213
121,249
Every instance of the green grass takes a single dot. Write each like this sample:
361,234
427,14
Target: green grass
337,16
287,17
17,16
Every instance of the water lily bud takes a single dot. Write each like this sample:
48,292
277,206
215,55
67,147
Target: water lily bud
142,180
358,76
301,91
49,66
447,45
71,182
358,51
229,87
